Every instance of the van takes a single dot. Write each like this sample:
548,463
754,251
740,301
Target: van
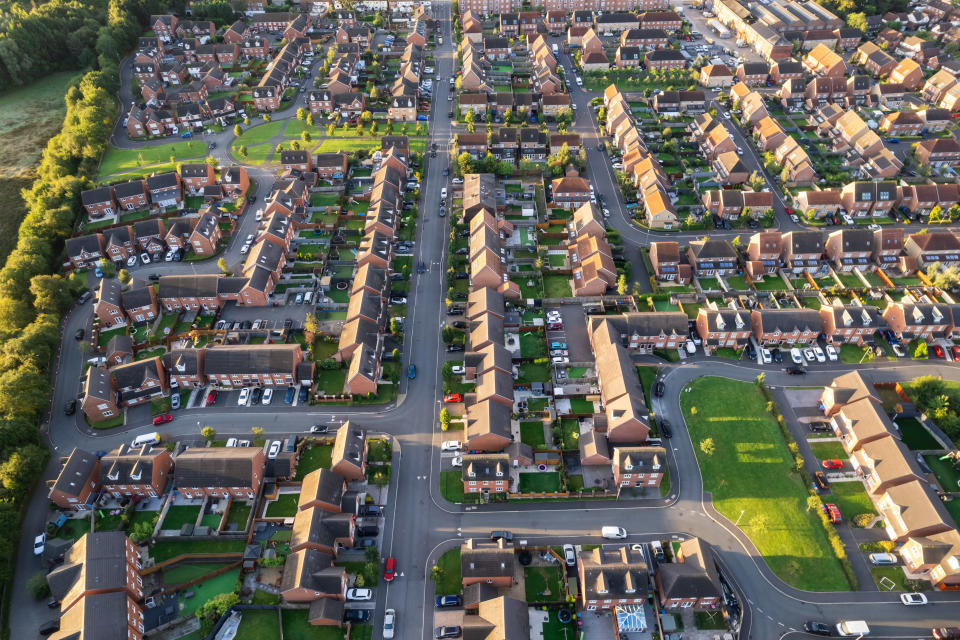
308,297
656,550
613,533
852,628
147,438
231,442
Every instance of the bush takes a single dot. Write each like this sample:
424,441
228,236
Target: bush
862,520
37,585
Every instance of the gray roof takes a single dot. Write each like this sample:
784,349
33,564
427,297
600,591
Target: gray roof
349,444
262,358
96,196
313,570
77,467
95,561
120,343
129,466
190,286
613,571
134,374
88,244
111,292
322,485
788,320
486,466
98,384
162,181
218,467
695,577
486,559
185,362
138,297
804,241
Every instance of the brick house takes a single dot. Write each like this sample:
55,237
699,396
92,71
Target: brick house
132,195
773,327
850,248
691,580
99,399
486,473
296,160
76,485
712,257
235,366
235,472
638,467
612,575
938,152
722,327
935,246
925,321
142,472
486,562
99,202
801,251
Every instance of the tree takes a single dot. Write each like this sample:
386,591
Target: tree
237,131
538,263
257,432
51,293
330,130
310,119
707,446
223,266
305,136
920,353
465,163
444,419
736,241
208,433
622,286
242,151
267,117
378,20
214,608
21,467
311,325
124,276
37,585
394,326
857,21
302,114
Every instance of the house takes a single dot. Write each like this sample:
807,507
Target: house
164,189
824,61
887,245
922,320
235,472
721,327
263,364
712,257
730,169
498,617
310,575
140,304
938,152
296,160
908,73
716,75
349,455
885,463
853,323
487,421
569,192
666,261
487,562
486,472
142,472
935,246
99,400
763,253
801,251
644,38
753,74
205,235
99,202
920,199
846,389
875,60
874,199
691,580
902,123
331,166
76,486
612,575
664,59
773,327
325,490
138,382
627,57
912,510
85,251
131,195
849,249
638,467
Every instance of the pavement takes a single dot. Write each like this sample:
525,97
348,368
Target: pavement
421,524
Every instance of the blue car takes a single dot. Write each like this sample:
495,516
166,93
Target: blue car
186,134
447,601
303,394
288,398
412,372
98,272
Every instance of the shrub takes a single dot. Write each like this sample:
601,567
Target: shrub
37,585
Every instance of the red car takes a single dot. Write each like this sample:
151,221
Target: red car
833,512
955,350
162,419
938,351
212,396
832,463
453,397
390,569
789,210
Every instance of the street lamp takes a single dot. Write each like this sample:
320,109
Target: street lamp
737,523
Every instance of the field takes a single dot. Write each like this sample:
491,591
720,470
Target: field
28,118
540,481
851,498
297,627
752,473
121,160
915,435
449,582
258,624
284,506
313,458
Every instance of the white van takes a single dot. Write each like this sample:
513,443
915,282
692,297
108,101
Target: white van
308,297
147,438
613,533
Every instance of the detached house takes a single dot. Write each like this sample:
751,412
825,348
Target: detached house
691,580
611,575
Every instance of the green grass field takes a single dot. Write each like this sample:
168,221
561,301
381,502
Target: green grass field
179,515
827,450
203,591
531,433
284,506
753,473
317,456
915,435
122,160
187,572
450,581
557,287
256,154
543,584
296,626
347,144
261,132
256,625
851,498
540,481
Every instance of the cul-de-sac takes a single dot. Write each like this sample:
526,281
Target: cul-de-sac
479,319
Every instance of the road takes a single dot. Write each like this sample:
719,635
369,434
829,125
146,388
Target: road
421,524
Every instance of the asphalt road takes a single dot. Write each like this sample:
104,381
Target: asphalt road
421,524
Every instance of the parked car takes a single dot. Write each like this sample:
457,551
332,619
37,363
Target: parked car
796,356
359,616
832,464
501,534
267,396
162,419
820,479
359,594
833,512
450,445
389,620
288,396
448,631
175,400
569,555
938,351
244,397
913,599
453,397
70,407
819,426
318,428
390,569
446,602
39,543
665,429
412,371
819,355
658,388
831,352
212,396
818,628
883,558
79,334
946,633
274,449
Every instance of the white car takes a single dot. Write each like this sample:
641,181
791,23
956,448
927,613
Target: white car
389,620
794,218
450,445
846,219
796,356
569,555
274,449
359,594
39,543
457,461
267,396
244,397
560,360
765,355
874,227
231,442
168,257
244,249
898,350
132,261
606,213
145,258
726,114
250,238
831,352
259,215
818,353
457,370
691,348
808,354
913,599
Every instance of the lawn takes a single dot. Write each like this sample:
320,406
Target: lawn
579,405
450,581
261,132
297,627
73,529
531,433
285,506
753,473
330,381
532,344
540,481
953,508
349,145
570,433
851,353
728,353
709,283
258,624
530,285
647,377
106,336
827,450
575,373
531,372
895,574
851,498
120,160
451,486
179,515
314,457
166,549
555,286
324,200
705,620
239,513
916,436
186,572
947,476
203,591
536,404
256,154
544,584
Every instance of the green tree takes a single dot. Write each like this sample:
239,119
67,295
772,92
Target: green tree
242,151
302,114
444,419
920,353
209,434
21,466
124,276
37,586
223,266
465,163
857,21
267,117
237,131
51,293
622,286
708,447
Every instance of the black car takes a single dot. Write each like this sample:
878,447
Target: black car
818,628
455,311
70,407
251,199
356,615
796,371
461,275
446,172
458,324
501,534
820,426
658,389
153,277
446,632
372,510
777,355
368,530
79,334
256,395
665,429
